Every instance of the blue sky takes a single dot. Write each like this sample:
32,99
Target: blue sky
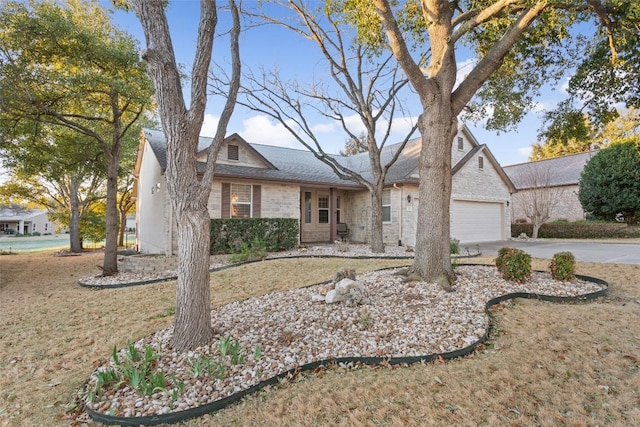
271,47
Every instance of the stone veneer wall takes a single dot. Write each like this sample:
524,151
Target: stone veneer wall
146,263
567,206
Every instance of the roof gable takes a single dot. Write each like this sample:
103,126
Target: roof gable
484,150
563,170
245,154
267,162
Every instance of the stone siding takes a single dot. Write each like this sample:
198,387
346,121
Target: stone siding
357,214
483,185
567,206
146,263
277,200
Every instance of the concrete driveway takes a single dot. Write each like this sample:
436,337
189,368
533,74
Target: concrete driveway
610,251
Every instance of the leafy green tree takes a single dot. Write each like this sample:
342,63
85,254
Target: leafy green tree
188,189
521,45
607,77
610,182
47,169
571,132
64,64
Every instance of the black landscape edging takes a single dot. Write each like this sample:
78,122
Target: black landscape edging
218,405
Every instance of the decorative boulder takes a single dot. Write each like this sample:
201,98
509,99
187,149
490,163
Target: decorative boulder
348,291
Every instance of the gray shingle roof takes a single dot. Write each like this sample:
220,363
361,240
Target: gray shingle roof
291,165
564,170
302,166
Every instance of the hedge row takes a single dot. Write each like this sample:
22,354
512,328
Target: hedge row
578,230
279,234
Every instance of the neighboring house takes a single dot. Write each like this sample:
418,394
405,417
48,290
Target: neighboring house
16,220
253,180
560,174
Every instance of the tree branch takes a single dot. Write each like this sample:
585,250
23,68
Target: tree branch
493,59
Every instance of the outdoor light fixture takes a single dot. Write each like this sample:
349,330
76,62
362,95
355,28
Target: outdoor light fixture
409,198
155,188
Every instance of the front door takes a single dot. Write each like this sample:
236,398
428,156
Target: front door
315,215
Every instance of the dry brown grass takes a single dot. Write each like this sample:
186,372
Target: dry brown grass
547,364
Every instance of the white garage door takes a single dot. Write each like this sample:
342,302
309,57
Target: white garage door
476,221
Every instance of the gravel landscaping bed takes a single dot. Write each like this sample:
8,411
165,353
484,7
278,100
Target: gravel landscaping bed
222,261
265,336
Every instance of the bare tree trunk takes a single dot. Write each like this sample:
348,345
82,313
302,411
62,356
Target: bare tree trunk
74,219
193,294
536,229
110,262
377,240
188,191
123,226
432,253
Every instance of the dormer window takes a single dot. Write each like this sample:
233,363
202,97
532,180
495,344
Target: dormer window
233,152
460,144
480,162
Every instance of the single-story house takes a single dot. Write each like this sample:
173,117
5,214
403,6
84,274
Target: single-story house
254,180
17,220
559,175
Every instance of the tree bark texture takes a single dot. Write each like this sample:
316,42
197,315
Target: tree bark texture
188,191
110,262
74,220
377,241
193,295
438,123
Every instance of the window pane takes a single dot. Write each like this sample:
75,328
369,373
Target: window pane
386,205
240,201
386,197
307,207
240,210
240,193
386,213
323,216
323,202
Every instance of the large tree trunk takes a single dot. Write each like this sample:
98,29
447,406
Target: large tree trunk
74,219
377,240
123,227
110,262
189,193
432,260
193,294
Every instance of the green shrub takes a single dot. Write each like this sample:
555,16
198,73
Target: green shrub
256,250
35,233
514,264
454,246
579,230
563,266
228,235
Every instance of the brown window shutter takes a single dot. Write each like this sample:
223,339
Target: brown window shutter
225,206
257,200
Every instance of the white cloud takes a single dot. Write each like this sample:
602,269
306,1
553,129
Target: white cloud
403,125
323,128
261,130
209,125
524,152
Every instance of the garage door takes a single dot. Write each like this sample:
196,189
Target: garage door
476,221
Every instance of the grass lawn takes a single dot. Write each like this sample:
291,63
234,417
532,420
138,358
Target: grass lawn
547,364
